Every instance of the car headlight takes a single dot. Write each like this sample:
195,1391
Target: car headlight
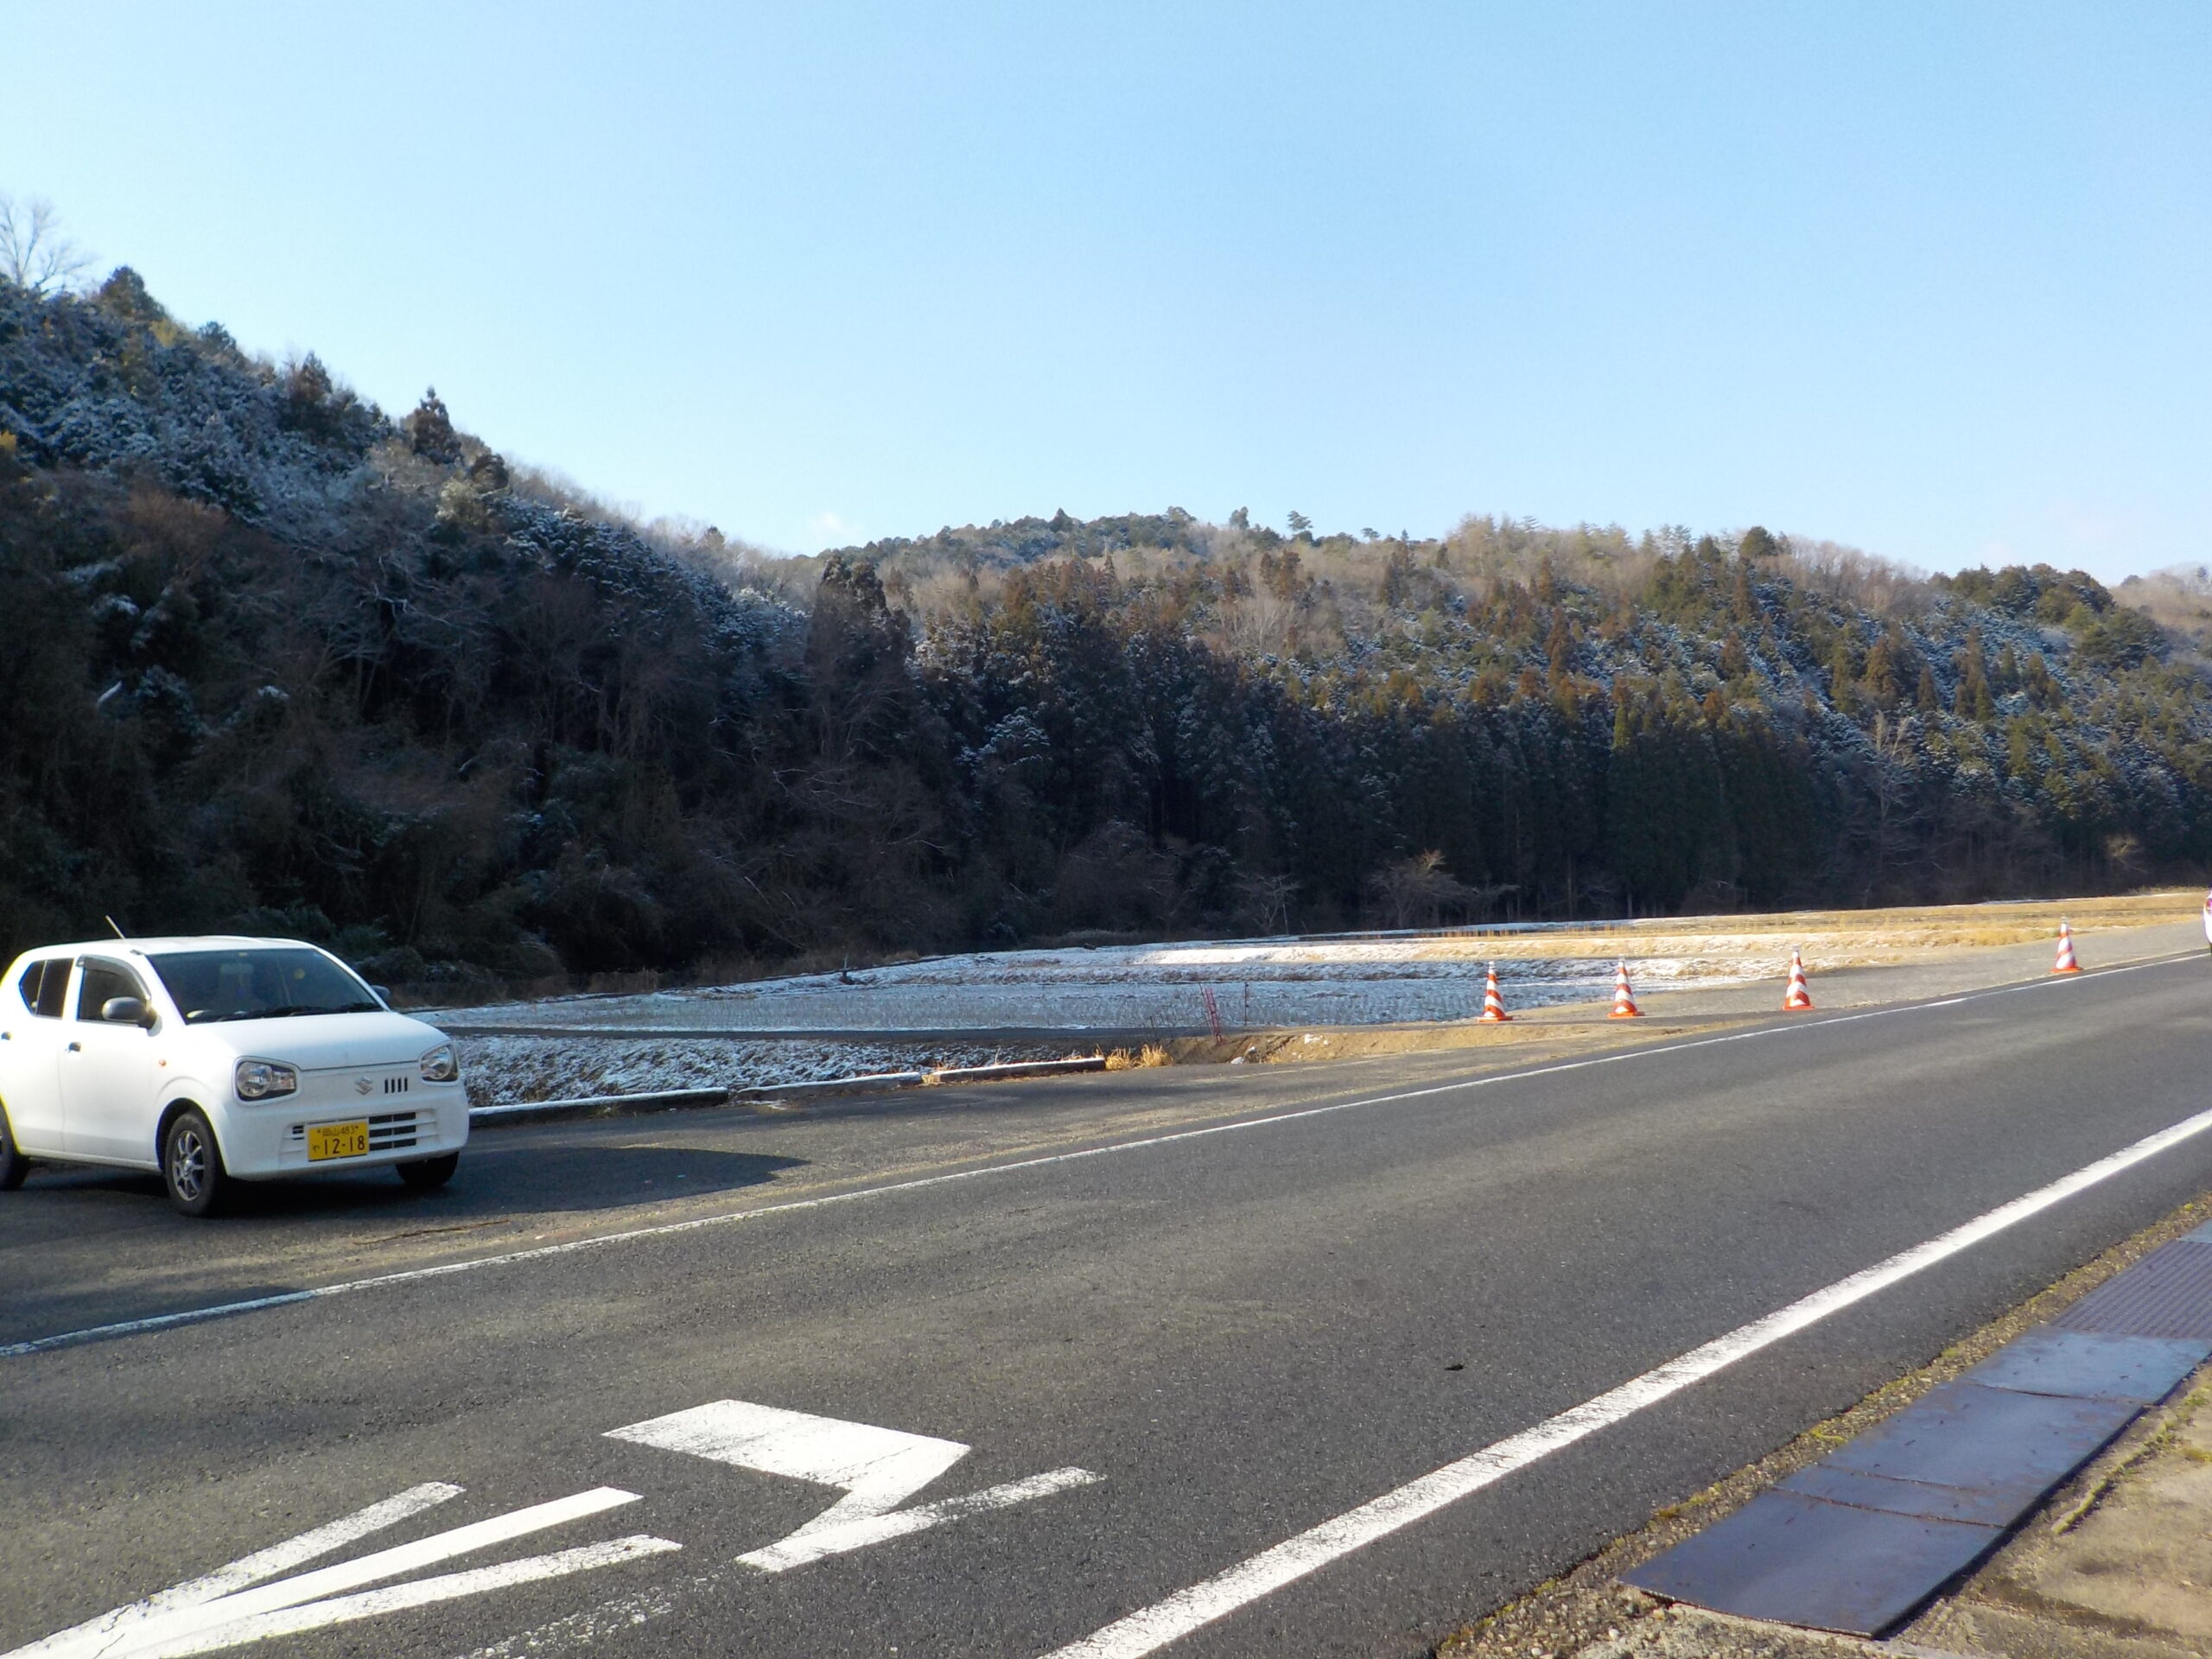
441,1065
261,1079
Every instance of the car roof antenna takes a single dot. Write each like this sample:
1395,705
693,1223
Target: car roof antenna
119,933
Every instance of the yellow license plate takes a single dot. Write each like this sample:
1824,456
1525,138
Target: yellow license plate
337,1141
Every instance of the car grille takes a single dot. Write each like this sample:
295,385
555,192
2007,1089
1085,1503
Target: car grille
391,1131
395,1085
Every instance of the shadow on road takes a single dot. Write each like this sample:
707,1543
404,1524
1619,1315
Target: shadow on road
493,1181
82,1246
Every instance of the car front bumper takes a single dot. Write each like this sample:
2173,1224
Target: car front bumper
272,1138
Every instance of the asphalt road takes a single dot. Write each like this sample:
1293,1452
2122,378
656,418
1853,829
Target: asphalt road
1234,1335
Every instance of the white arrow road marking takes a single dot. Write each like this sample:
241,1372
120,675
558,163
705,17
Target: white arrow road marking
878,1468
247,1569
817,1539
450,1586
172,1623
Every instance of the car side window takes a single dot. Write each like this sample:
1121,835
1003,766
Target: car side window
45,988
102,981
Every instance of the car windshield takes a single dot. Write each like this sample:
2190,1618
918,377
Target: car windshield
270,983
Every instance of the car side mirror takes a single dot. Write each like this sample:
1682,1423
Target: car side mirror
126,1011
384,993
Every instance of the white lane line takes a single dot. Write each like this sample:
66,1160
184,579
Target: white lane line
247,1569
626,1612
662,1229
1152,1628
342,1610
162,1629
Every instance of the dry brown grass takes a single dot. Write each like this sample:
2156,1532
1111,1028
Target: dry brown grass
1837,939
1145,1058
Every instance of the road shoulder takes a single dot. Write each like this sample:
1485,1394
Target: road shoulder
2116,1564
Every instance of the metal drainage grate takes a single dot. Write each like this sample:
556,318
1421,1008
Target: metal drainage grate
1858,1541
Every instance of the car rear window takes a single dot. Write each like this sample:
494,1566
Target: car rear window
267,982
45,987
101,980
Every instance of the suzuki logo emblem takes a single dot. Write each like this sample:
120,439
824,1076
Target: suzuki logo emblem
362,1085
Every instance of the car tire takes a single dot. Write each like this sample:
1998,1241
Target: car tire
429,1174
13,1164
191,1165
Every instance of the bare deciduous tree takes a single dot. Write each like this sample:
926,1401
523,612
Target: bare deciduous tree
1415,891
34,254
1267,899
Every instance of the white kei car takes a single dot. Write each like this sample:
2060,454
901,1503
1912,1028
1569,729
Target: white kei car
216,1060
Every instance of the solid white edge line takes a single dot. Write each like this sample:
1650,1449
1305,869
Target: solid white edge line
413,1275
1152,1628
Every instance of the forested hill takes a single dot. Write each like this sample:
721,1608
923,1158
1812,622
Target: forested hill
271,660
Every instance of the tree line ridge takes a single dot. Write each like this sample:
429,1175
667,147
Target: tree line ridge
278,661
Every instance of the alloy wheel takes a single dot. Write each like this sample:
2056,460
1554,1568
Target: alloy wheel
187,1164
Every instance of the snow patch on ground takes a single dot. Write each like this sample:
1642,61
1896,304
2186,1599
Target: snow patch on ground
502,1070
1258,984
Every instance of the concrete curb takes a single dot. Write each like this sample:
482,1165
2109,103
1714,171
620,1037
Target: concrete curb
1015,1069
870,1082
515,1110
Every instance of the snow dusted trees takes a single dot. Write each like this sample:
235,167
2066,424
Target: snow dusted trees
290,665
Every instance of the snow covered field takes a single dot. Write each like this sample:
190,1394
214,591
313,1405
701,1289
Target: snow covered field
1270,984
1046,1004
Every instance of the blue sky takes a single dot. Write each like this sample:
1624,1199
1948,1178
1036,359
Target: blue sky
1927,278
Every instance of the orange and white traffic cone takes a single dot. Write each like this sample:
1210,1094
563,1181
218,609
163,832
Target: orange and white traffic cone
2065,964
1798,999
1623,1001
1494,1012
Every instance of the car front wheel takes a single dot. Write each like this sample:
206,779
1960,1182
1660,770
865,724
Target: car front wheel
13,1164
429,1174
191,1165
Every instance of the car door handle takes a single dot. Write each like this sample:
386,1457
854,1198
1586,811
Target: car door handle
76,1048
